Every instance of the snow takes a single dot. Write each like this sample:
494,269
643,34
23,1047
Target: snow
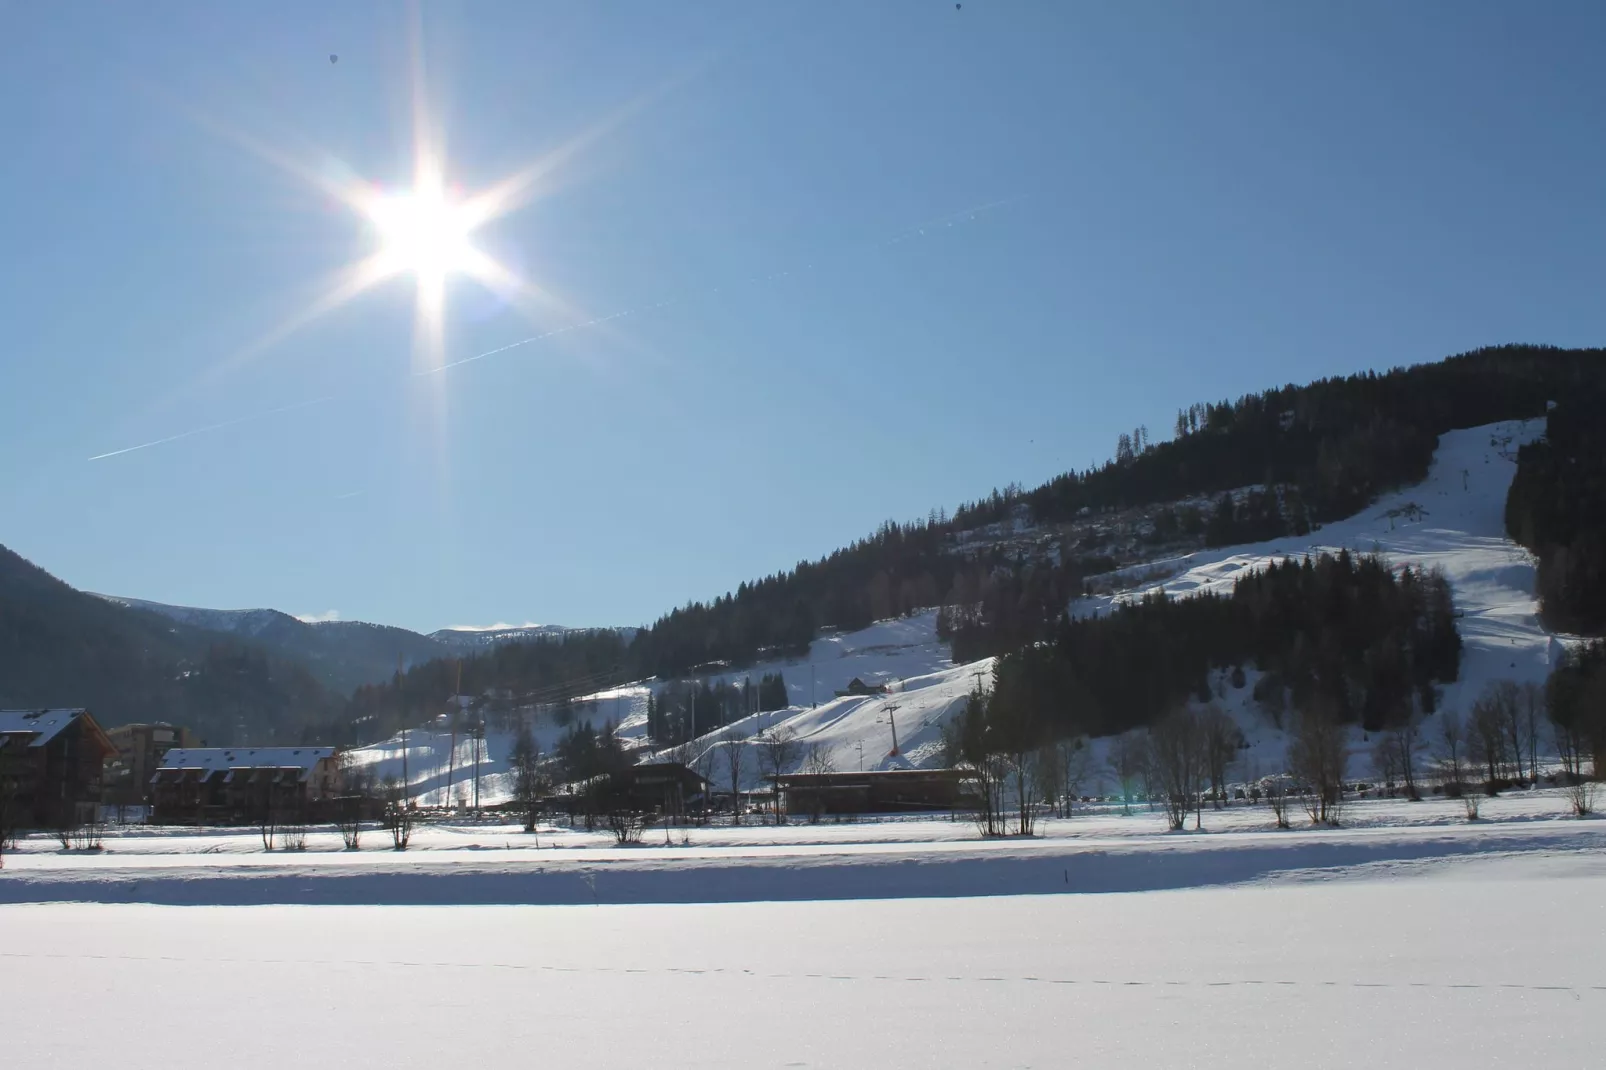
40,726
212,759
901,944
1099,850
1453,521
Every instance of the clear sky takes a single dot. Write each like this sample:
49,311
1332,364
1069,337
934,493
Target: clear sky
862,259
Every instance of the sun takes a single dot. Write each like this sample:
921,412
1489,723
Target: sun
423,231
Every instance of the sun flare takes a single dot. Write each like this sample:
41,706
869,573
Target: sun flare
423,232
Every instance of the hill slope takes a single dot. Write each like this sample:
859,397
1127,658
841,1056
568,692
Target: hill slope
1452,520
63,647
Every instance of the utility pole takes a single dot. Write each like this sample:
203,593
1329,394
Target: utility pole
860,745
479,735
893,722
451,760
406,795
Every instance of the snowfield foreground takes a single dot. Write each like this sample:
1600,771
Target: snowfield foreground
1492,959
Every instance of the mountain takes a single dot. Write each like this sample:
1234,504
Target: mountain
345,655
476,640
64,647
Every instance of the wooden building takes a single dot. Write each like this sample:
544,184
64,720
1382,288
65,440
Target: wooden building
877,791
140,748
52,768
857,686
669,787
239,785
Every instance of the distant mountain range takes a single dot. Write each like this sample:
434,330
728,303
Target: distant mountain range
342,654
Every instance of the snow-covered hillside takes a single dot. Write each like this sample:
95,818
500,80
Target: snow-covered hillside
1452,521
904,656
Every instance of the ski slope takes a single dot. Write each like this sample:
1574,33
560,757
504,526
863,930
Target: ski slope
903,655
1452,521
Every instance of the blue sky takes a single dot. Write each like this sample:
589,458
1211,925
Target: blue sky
863,259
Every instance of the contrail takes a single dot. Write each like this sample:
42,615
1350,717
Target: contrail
542,337
211,427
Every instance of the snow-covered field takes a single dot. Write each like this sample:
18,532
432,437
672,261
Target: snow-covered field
1407,939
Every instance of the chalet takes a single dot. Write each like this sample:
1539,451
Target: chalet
235,785
858,687
666,786
52,765
877,791
140,748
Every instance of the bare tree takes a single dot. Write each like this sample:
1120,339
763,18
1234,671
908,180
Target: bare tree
1508,700
1128,761
970,740
356,788
1022,765
1075,757
817,762
1277,799
991,775
1572,749
1318,757
293,830
734,747
1489,731
398,814
1531,718
777,750
1049,787
1176,750
1386,761
267,815
1222,741
1404,741
531,783
626,822
1452,753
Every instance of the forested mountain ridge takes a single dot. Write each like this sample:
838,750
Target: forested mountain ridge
63,647
1267,465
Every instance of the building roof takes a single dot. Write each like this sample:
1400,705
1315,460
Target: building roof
43,725
835,780
221,759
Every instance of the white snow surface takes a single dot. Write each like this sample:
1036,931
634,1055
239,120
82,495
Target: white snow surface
1407,939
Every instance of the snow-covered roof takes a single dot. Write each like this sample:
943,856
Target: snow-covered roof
45,725
214,759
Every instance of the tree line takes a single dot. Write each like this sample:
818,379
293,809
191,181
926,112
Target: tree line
1342,632
1268,464
1557,509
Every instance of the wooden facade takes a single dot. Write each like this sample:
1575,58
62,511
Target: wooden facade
242,785
879,791
140,748
52,767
